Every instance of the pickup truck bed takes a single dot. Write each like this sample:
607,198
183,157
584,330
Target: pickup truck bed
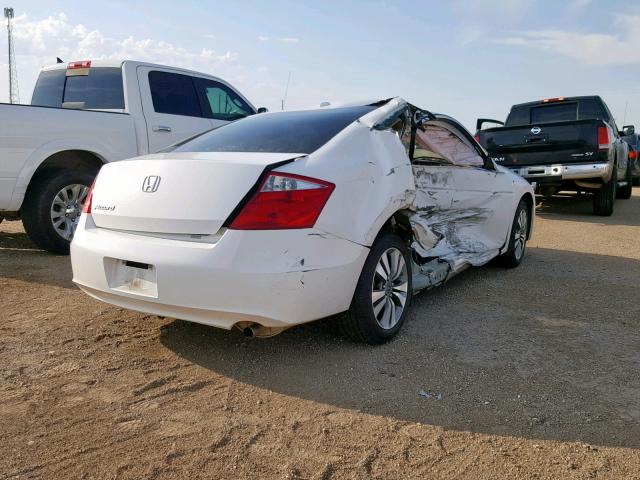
563,144
107,135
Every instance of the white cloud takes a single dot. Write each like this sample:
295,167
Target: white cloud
39,42
264,38
587,48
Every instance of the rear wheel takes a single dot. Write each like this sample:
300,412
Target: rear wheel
626,191
53,206
383,294
605,196
518,240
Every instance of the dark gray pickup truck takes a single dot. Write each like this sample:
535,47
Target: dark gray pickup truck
566,143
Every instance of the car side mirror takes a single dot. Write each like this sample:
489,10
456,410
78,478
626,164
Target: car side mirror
628,130
263,110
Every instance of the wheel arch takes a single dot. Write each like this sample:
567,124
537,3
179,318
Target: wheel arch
66,160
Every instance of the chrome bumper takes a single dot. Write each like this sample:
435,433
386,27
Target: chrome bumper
567,172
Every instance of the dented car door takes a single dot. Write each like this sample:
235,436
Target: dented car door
459,199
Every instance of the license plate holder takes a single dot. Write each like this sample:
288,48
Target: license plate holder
130,276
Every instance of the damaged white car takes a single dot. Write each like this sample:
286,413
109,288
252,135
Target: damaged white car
284,218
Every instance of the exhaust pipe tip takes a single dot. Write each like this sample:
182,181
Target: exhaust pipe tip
255,330
248,332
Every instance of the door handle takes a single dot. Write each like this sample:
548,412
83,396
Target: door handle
161,128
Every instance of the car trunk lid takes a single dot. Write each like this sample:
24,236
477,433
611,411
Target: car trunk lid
177,193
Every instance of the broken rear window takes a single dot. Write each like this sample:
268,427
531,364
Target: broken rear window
282,132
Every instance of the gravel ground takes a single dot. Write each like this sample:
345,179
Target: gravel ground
525,373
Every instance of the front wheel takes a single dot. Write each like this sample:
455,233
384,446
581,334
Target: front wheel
53,206
518,239
383,293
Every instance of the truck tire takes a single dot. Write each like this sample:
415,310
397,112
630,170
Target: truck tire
52,208
605,197
383,294
625,192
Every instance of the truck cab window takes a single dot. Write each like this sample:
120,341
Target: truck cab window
174,94
220,102
100,89
49,88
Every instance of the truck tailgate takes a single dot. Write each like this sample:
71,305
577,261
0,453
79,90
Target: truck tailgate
545,144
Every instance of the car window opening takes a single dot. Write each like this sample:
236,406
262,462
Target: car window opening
438,145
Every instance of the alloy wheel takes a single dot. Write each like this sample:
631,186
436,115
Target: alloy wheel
66,209
520,234
389,288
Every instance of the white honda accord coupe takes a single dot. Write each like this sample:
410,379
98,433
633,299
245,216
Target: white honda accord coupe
284,218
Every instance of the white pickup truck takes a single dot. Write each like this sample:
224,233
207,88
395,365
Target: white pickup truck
84,114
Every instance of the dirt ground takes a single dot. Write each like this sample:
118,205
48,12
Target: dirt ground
525,373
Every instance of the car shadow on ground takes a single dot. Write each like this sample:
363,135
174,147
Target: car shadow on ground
579,208
491,352
21,260
16,241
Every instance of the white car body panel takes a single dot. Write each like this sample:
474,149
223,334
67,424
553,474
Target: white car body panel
184,176
276,278
32,134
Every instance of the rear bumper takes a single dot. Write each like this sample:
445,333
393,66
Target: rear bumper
560,172
274,278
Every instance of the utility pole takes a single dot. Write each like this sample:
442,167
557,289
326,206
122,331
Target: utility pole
14,95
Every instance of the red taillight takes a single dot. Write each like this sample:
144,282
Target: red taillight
633,155
82,64
86,207
604,140
477,137
283,201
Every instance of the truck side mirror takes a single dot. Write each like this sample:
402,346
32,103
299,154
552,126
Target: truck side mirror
263,110
628,130
481,121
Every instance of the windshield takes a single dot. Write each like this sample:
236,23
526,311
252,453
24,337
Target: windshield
282,132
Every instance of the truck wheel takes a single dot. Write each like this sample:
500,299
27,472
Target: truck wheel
625,192
518,241
383,293
53,205
605,196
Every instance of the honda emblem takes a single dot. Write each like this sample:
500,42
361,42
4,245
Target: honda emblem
150,184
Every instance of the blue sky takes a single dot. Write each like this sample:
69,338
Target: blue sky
468,58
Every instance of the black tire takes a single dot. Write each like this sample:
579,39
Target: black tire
360,323
517,246
36,209
605,197
625,192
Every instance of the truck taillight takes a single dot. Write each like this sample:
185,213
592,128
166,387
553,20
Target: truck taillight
284,201
604,138
81,64
86,207
555,99
633,155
